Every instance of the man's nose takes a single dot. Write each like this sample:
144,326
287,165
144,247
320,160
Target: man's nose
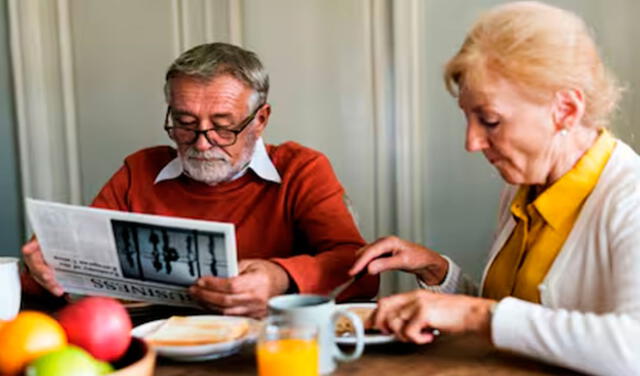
202,143
476,137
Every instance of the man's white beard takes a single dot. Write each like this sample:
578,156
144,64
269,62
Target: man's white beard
217,168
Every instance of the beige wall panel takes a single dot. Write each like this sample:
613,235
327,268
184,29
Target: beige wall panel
618,34
121,50
316,53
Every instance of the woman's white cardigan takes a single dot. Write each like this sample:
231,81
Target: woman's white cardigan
589,319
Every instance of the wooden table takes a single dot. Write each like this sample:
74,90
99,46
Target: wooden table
447,356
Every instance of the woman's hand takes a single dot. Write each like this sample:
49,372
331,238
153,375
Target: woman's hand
413,315
400,254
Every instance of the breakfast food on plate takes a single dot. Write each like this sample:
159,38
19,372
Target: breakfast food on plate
197,330
343,325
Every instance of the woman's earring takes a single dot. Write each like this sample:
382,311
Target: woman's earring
564,132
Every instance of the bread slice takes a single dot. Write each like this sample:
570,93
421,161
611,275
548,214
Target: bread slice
343,325
197,330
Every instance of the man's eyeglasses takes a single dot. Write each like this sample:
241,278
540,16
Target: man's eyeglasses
187,134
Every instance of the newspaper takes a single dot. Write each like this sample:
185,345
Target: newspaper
131,256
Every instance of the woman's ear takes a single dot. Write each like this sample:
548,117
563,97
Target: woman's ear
568,108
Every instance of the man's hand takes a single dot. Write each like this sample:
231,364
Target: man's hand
244,295
39,269
411,316
428,265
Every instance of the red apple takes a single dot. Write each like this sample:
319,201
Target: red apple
99,325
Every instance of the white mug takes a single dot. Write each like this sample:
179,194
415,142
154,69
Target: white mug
320,311
10,288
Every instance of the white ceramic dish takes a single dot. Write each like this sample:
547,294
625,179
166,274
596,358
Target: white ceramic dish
199,352
369,339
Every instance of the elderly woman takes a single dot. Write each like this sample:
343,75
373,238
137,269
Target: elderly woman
563,279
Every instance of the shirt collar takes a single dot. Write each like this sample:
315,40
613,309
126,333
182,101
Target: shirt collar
566,196
260,163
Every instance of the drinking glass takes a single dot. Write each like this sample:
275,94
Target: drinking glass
320,311
286,349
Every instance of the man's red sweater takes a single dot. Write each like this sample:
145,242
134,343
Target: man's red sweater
302,223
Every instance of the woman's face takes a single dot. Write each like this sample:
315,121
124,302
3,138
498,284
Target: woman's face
516,134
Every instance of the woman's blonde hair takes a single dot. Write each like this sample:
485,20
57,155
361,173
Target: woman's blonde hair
541,48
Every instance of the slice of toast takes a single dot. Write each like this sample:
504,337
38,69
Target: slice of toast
197,330
343,325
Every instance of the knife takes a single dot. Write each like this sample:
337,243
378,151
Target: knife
338,290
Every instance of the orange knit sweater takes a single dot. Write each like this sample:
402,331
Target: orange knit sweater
302,224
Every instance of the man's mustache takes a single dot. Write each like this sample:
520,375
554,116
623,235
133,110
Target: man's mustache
208,155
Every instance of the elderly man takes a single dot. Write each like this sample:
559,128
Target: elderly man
294,231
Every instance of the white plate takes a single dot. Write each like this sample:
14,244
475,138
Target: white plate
199,352
369,339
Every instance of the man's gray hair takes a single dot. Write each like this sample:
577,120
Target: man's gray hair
208,61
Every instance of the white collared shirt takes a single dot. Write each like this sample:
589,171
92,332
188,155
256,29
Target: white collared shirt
260,164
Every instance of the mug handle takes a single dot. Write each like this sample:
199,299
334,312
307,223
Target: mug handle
359,329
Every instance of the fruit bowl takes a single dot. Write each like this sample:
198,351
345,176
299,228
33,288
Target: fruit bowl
139,360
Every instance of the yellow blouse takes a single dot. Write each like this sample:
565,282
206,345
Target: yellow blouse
543,224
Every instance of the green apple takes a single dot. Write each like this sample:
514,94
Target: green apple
104,367
68,361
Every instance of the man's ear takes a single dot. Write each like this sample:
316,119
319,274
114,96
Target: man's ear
262,117
568,108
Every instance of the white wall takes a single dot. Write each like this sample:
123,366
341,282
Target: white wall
321,85
618,32
120,52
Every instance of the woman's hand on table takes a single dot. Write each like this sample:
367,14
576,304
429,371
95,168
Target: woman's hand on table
400,254
412,316
39,269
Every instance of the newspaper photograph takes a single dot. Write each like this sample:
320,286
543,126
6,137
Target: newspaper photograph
131,256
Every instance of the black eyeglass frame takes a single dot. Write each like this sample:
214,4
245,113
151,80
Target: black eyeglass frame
197,132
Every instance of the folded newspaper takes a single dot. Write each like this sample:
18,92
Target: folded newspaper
131,256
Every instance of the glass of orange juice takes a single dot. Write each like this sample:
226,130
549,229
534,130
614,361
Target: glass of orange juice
286,349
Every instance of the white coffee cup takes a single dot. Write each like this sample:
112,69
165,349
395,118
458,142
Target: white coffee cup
10,288
320,311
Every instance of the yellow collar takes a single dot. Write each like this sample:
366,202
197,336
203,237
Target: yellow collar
566,196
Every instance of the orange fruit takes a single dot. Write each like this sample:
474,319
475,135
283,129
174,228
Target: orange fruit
26,337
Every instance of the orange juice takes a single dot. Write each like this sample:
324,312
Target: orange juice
288,357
